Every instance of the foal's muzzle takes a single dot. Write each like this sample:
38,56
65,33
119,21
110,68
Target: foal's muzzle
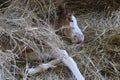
78,38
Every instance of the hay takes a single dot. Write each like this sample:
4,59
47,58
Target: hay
21,29
85,6
113,41
25,22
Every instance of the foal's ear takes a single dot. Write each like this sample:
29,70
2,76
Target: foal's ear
62,10
61,7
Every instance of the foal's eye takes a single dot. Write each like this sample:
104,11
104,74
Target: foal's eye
71,20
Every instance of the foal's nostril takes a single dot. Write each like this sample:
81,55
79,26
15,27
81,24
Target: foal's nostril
78,38
75,36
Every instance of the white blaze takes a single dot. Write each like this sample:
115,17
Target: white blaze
75,28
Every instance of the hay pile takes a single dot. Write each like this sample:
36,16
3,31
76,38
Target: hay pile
21,29
84,6
25,22
113,40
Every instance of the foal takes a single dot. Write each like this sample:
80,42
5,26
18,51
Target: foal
67,25
70,29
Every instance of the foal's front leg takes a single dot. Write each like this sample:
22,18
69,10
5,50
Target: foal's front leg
43,67
71,64
61,56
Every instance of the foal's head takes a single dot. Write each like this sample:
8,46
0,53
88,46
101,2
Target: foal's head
69,25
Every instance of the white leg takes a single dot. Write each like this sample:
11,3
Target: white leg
60,55
71,64
44,67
